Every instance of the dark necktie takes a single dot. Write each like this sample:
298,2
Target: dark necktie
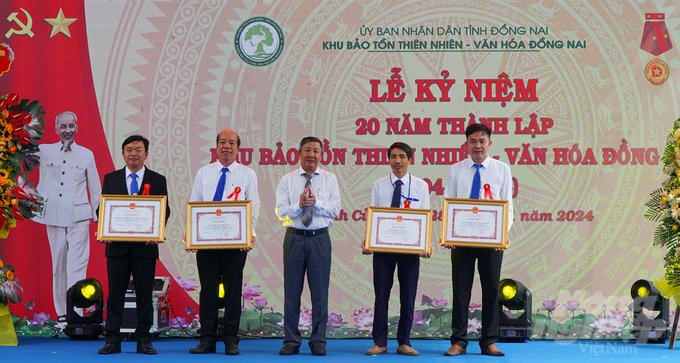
476,183
134,187
220,185
307,212
396,195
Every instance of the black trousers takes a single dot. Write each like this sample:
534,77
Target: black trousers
213,266
408,271
143,270
463,272
310,255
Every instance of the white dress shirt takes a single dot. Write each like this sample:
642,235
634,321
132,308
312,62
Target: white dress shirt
205,185
325,188
493,172
415,189
140,177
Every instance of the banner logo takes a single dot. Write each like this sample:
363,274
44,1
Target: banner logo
25,28
657,71
259,41
656,40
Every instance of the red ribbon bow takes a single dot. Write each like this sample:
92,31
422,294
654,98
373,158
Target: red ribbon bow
146,189
235,193
407,204
487,192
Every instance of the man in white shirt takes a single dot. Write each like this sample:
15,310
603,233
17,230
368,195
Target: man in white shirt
398,190
477,177
223,180
67,172
307,200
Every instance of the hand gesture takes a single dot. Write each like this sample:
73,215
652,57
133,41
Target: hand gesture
307,198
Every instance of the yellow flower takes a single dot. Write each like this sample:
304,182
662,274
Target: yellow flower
4,173
667,290
9,128
675,227
2,264
4,113
10,275
6,199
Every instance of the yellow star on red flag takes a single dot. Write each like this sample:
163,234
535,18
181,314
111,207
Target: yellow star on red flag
60,24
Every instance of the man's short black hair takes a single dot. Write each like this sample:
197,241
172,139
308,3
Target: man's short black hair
402,146
134,138
475,128
238,139
307,140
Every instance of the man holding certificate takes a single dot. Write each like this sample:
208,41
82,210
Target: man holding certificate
307,200
224,180
398,190
136,258
477,177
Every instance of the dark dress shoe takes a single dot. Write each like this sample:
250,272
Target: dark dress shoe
146,348
492,351
455,351
109,348
232,349
289,350
318,349
203,348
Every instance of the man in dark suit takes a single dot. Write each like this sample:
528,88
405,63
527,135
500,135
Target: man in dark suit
138,258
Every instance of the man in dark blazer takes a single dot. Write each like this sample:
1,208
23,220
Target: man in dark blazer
136,258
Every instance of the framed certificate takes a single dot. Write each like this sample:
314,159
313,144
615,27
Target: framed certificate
398,230
132,218
218,225
475,223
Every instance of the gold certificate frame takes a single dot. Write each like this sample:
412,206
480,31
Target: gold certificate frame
132,218
475,223
219,225
398,230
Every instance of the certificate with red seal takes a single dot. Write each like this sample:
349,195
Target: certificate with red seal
219,225
132,218
398,230
475,223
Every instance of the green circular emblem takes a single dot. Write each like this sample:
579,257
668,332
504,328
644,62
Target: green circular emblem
259,41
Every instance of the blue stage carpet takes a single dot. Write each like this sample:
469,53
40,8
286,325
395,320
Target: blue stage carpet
266,350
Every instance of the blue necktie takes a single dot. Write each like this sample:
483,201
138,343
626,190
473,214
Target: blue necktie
220,185
134,188
476,183
396,195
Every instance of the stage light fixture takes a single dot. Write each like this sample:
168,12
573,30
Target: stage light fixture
85,310
513,295
221,304
647,297
220,296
